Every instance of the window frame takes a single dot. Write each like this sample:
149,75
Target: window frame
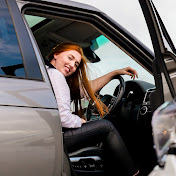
30,62
112,30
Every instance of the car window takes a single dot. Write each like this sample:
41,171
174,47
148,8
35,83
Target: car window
111,58
33,20
11,62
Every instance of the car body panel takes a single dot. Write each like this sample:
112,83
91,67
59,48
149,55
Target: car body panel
63,3
29,141
26,93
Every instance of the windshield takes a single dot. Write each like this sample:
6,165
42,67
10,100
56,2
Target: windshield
111,58
131,17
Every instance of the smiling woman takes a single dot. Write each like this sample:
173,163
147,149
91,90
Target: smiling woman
64,60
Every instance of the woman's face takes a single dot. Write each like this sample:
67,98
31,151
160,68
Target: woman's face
67,62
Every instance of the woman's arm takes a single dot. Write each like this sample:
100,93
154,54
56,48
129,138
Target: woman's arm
99,83
62,94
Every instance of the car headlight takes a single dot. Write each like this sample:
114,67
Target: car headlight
164,126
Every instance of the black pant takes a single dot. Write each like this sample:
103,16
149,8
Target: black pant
104,131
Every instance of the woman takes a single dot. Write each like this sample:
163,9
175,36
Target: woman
67,72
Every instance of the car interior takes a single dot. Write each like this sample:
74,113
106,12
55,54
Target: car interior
128,102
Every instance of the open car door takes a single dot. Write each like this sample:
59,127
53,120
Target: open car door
164,65
164,69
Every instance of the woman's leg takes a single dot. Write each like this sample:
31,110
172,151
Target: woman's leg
97,131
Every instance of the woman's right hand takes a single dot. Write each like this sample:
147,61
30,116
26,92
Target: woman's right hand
128,71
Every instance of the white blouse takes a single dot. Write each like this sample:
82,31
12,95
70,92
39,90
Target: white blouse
62,94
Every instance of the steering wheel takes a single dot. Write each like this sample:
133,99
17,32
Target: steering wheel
110,101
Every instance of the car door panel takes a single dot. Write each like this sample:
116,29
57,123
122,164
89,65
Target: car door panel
28,141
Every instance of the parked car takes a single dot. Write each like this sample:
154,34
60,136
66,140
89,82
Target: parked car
31,141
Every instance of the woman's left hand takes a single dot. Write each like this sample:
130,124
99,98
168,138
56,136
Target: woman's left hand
128,71
83,121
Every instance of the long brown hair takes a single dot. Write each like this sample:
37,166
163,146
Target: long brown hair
79,78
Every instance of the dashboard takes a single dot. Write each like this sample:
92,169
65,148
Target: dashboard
136,98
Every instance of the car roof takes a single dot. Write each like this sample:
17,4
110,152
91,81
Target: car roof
66,3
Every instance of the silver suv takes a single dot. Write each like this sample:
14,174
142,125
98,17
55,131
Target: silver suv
31,142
